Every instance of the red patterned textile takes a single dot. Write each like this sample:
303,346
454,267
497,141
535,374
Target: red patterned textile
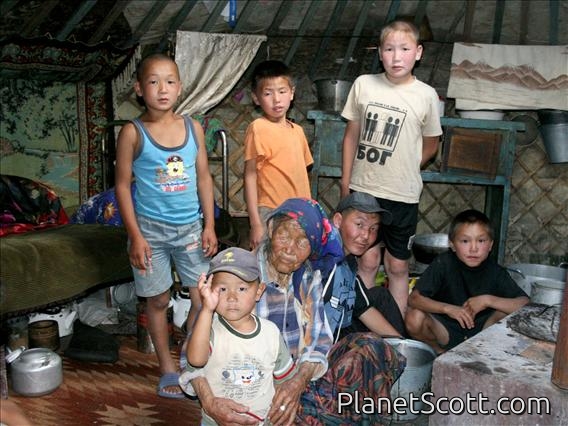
28,205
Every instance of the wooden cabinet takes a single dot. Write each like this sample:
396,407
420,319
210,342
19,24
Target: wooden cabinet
328,136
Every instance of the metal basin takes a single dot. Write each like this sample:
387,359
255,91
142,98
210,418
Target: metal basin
415,379
525,274
427,246
547,292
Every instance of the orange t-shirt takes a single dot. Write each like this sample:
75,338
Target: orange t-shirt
282,155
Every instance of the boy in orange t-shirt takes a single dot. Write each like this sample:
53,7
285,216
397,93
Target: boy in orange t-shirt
276,150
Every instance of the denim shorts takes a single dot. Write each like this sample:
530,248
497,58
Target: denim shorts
180,244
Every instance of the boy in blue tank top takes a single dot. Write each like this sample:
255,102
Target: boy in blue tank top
166,154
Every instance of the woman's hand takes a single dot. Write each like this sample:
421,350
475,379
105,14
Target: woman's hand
223,410
286,401
228,412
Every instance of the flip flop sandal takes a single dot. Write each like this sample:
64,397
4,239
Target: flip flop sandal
170,380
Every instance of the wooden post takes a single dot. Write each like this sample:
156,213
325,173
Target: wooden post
560,362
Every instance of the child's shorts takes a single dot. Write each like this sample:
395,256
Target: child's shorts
397,236
456,332
178,243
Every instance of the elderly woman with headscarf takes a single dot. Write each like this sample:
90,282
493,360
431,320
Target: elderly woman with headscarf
300,248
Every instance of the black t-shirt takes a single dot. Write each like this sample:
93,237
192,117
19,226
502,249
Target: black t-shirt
449,280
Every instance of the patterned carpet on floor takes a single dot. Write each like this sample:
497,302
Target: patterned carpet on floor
123,393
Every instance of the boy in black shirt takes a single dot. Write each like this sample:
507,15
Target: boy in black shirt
462,291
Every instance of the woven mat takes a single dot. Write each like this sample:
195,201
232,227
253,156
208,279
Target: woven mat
122,394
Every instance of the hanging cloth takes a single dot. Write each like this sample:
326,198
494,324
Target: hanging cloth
210,65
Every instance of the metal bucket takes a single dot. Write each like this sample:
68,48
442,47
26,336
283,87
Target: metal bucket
554,131
332,94
415,379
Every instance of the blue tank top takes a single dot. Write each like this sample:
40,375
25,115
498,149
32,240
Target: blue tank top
166,184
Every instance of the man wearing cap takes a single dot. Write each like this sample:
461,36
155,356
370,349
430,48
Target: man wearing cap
241,355
349,305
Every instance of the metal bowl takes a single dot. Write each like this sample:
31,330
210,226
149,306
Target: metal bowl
427,246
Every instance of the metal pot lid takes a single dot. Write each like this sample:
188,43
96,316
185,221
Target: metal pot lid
531,130
37,355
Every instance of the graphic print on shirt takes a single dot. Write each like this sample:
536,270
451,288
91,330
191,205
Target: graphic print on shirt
172,178
379,133
242,378
339,309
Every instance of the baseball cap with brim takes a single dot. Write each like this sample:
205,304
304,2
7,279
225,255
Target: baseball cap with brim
365,203
236,261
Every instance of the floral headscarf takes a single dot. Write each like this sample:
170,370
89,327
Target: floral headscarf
324,238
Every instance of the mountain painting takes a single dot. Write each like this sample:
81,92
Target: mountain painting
487,76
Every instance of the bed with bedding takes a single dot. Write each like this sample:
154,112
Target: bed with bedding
44,259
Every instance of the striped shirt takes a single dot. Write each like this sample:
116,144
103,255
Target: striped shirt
302,323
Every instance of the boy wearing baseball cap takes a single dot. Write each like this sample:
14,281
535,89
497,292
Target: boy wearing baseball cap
241,355
349,305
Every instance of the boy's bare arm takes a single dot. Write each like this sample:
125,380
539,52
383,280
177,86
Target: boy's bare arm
251,199
426,304
205,193
126,147
429,148
349,150
377,323
502,304
198,344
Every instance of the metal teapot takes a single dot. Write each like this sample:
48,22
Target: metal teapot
35,372
181,304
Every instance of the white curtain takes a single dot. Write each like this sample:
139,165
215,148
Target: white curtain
210,65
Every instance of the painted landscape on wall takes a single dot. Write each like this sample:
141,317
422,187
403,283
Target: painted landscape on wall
39,134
